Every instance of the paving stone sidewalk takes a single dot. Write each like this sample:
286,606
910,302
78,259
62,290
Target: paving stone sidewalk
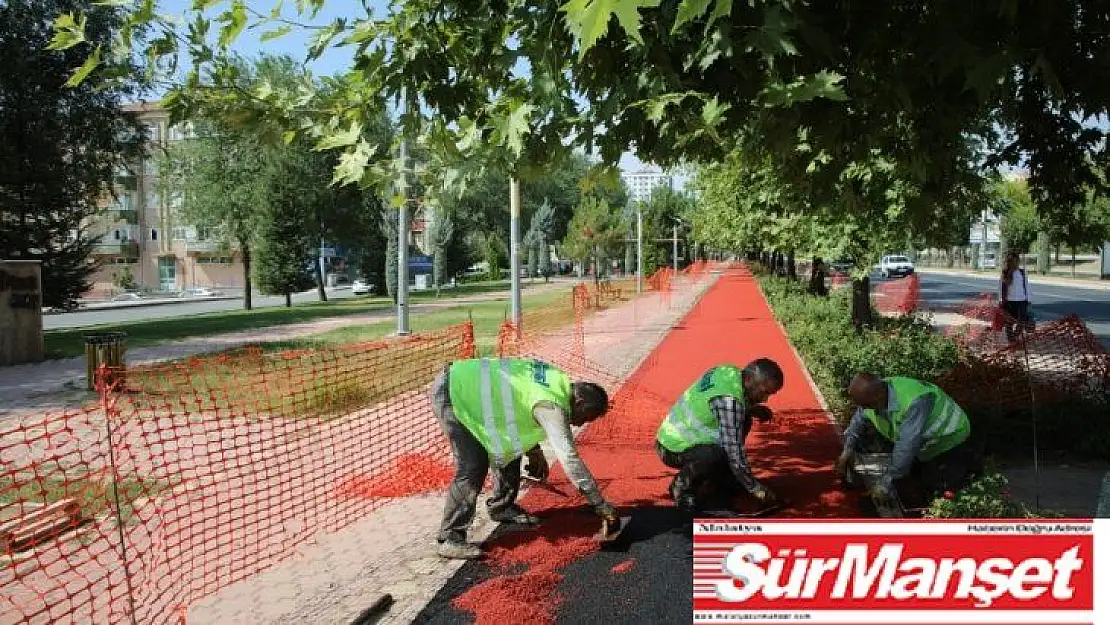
390,551
58,384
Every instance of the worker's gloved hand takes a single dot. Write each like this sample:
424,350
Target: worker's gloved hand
844,463
761,413
536,465
883,496
607,512
765,495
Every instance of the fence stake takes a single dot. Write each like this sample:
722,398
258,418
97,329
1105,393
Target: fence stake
109,407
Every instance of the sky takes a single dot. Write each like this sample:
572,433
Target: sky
296,43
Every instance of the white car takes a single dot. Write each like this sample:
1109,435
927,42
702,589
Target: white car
361,287
895,266
201,291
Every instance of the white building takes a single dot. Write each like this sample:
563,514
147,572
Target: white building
641,183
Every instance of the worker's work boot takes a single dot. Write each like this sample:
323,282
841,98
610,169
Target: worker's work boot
515,515
458,551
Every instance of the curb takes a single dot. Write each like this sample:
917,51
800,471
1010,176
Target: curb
1090,285
161,302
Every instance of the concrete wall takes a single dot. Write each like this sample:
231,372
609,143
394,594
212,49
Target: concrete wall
20,312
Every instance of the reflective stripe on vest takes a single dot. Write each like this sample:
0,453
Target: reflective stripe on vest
504,424
945,427
691,422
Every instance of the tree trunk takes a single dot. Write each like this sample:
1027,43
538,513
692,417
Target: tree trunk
791,266
320,287
861,303
1073,261
288,299
246,248
1043,252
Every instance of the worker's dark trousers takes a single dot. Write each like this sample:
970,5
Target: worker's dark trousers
699,467
471,467
950,471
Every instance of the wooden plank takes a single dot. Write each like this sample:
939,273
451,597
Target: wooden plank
54,519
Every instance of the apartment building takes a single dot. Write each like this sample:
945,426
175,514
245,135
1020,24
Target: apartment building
643,182
144,243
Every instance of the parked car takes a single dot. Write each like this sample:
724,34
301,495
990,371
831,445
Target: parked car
895,266
361,287
201,291
842,266
130,296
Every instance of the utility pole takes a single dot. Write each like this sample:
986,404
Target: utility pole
639,248
674,250
403,227
514,250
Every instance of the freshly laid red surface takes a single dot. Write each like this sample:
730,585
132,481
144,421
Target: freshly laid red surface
411,474
623,567
793,454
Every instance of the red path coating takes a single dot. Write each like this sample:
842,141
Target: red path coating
793,454
411,474
623,566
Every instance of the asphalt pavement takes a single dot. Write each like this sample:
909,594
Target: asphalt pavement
185,307
1048,301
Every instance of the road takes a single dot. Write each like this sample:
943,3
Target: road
85,318
1048,301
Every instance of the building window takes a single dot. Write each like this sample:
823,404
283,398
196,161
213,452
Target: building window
154,234
153,200
180,233
213,260
154,132
150,167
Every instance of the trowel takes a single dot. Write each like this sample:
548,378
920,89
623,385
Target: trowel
611,530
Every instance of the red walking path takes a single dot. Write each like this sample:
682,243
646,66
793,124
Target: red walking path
558,574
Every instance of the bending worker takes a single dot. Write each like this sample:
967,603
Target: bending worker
703,435
929,430
496,411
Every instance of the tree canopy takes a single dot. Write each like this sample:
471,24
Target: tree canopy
833,92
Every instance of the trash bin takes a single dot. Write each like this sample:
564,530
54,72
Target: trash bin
106,348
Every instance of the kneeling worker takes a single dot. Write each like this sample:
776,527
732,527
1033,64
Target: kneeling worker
703,435
929,430
496,411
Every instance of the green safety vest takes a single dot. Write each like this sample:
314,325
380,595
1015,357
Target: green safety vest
691,422
946,426
494,399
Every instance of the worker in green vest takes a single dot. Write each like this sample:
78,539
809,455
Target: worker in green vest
494,412
703,434
930,433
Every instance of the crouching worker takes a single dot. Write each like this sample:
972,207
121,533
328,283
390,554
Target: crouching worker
496,411
930,433
703,435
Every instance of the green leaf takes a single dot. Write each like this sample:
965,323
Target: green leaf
86,68
324,38
68,32
688,11
588,20
277,33
203,5
352,164
235,21
341,139
288,136
712,113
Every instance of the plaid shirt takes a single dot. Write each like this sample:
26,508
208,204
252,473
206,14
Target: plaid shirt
735,425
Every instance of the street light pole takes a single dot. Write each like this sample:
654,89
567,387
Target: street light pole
514,250
674,250
403,228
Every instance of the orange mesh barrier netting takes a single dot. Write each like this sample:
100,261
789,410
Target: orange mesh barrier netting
189,477
898,297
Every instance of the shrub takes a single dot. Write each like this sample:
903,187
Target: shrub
986,498
822,332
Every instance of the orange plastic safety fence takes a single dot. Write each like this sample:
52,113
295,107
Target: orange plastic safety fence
191,476
1053,363
897,296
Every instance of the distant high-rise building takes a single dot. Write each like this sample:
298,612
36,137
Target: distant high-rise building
642,183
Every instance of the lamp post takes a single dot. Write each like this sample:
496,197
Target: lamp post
403,228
